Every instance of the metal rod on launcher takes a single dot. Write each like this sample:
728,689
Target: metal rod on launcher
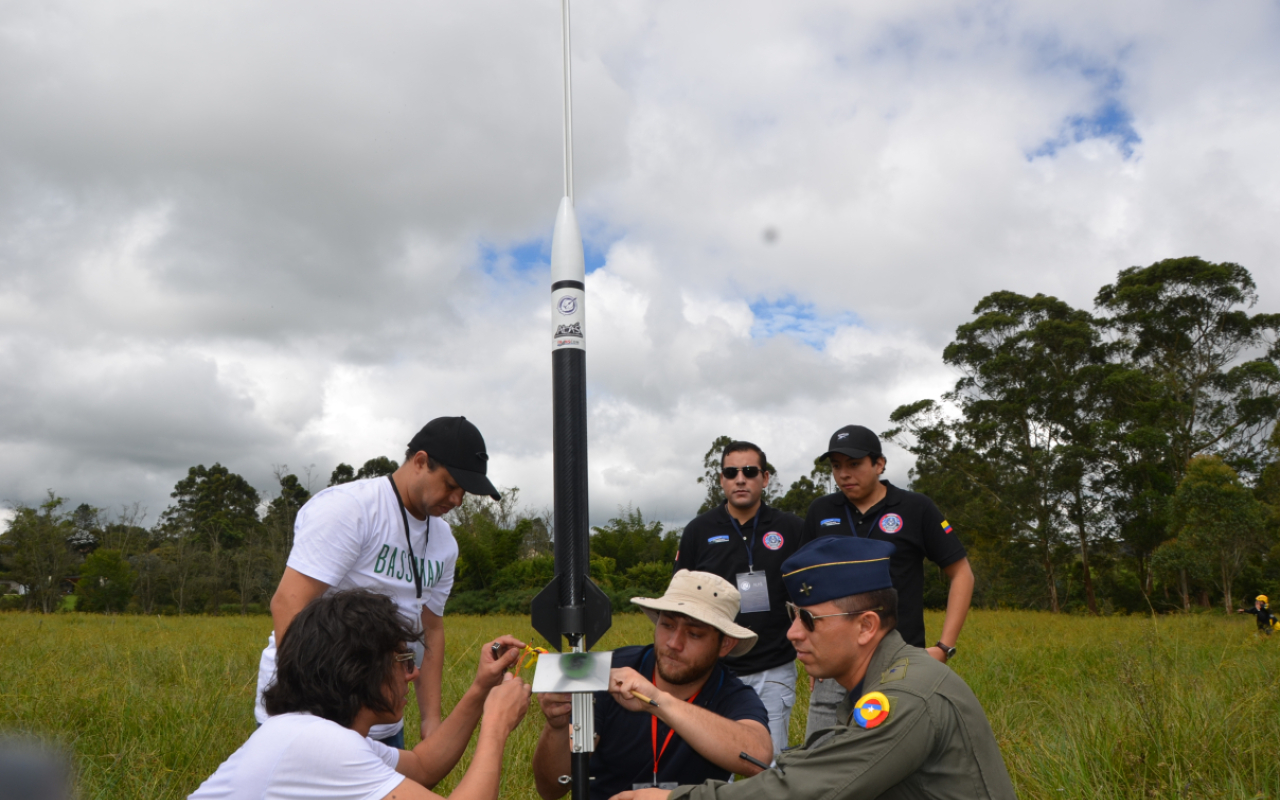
568,104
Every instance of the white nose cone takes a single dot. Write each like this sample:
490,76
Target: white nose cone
568,271
567,263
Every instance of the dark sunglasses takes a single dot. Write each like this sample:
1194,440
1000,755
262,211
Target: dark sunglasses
747,472
807,618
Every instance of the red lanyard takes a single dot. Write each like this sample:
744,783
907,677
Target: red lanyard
653,729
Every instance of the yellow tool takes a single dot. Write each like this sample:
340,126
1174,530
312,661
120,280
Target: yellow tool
532,654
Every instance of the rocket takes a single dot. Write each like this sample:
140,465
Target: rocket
571,606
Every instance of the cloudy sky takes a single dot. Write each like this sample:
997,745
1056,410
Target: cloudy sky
290,233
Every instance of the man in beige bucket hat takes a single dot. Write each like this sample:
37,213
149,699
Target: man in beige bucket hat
673,713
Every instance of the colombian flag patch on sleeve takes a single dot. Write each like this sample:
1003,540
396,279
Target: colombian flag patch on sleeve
871,710
946,526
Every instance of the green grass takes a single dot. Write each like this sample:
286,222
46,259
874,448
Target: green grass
1119,707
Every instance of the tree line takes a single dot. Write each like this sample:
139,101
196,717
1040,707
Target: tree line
221,548
1121,459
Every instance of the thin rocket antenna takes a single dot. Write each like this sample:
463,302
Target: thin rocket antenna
568,106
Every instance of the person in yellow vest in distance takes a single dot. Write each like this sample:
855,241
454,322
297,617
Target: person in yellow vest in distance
908,728
1266,621
674,713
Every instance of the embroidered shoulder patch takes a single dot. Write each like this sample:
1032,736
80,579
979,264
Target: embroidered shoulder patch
871,710
896,671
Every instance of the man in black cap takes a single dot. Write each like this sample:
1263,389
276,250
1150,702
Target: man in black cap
866,506
745,542
385,534
908,726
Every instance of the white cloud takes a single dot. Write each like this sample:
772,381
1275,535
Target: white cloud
277,234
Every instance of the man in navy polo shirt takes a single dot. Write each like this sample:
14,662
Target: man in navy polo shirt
868,507
702,717
745,542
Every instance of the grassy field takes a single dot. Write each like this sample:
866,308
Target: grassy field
1119,707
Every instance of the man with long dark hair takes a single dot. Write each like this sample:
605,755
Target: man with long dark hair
344,665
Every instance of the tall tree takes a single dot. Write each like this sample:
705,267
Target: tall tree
710,478
1215,382
1177,562
282,512
376,468
343,473
1028,364
805,489
106,582
1218,516
1197,374
215,505
36,551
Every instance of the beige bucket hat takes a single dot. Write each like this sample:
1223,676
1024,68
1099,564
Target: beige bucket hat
707,598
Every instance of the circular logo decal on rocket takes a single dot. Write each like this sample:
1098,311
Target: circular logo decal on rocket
773,540
568,304
891,523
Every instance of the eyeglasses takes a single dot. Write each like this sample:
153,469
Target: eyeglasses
747,472
411,659
807,618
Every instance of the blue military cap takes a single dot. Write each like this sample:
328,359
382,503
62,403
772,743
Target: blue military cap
837,566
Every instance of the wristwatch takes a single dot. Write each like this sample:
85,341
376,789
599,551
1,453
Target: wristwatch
948,652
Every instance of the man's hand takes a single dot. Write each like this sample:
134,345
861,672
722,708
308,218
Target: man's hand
642,794
625,680
938,653
507,703
491,670
557,707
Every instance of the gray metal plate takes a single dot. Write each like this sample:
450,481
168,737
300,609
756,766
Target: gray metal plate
572,672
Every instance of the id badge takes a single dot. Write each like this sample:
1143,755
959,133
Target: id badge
754,590
668,786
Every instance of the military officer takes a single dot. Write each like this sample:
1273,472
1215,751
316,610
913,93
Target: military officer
909,726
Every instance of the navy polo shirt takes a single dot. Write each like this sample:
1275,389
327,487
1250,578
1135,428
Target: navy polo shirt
711,543
624,754
912,522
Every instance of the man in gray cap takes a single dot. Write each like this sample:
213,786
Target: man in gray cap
909,727
701,718
385,534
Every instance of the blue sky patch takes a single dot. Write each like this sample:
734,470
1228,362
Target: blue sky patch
532,255
1109,118
801,320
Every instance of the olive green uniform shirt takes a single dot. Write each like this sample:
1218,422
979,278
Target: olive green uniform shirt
935,743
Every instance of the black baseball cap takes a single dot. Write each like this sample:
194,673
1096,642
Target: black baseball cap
456,444
853,441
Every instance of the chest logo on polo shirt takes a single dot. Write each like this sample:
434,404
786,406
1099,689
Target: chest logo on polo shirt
891,523
773,540
827,523
871,710
724,537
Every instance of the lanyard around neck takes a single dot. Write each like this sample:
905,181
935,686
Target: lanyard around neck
404,515
653,727
751,546
849,515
